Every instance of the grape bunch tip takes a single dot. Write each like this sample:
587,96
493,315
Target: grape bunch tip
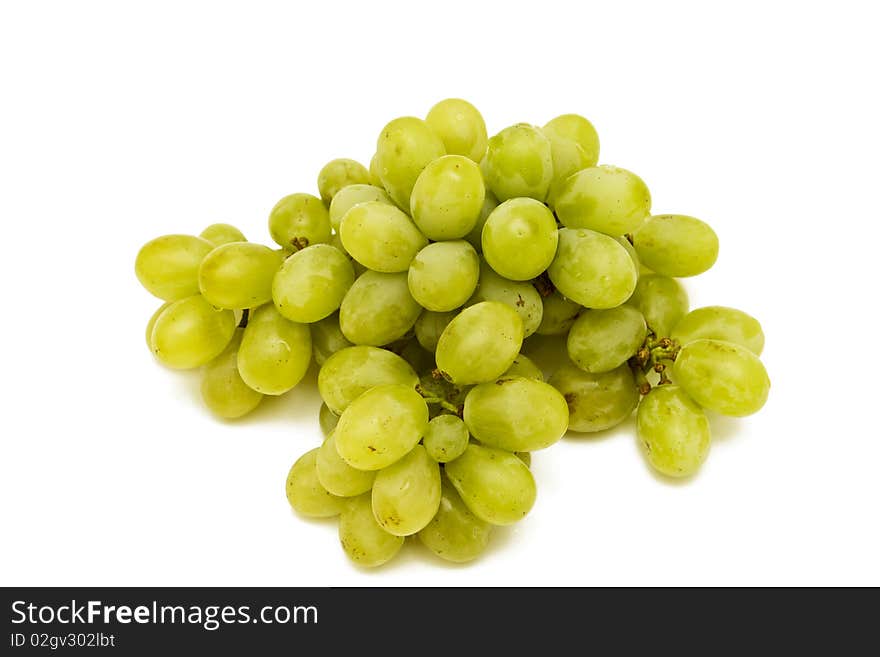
414,284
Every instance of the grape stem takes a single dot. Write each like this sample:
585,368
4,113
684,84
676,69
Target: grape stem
650,357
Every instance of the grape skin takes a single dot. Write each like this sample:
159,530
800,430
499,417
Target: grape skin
337,476
676,245
722,376
338,174
350,372
596,401
661,300
168,266
524,367
306,494
461,127
275,353
220,234
381,237
327,420
455,533
721,323
191,332
602,340
430,326
558,314
446,438
519,239
447,198
239,275
606,199
404,148
327,338
352,195
673,431
406,494
152,323
299,217
519,163
444,275
312,283
378,309
518,295
362,539
223,390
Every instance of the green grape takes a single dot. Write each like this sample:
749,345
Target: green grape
239,275
338,174
328,420
168,266
606,199
378,309
327,338
676,245
446,438
517,414
519,239
518,295
519,162
475,237
558,314
480,343
348,197
454,533
721,323
299,219
630,249
575,146
380,236
448,197
596,401
494,484
444,275
430,325
220,234
524,367
602,340
363,540
461,127
413,353
381,426
152,323
405,147
592,269
223,390
661,300
406,494
350,372
191,332
306,494
525,457
722,376
311,283
673,431
275,353
336,475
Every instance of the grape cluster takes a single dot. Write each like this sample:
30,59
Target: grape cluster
413,285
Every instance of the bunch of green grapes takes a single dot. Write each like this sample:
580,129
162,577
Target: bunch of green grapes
418,284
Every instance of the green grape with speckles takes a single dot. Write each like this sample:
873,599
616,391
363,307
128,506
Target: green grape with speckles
168,266
721,323
363,540
558,314
220,234
327,338
676,245
606,199
524,367
596,401
461,127
312,283
519,239
381,237
429,327
378,309
191,332
602,340
455,533
406,494
362,435
350,372
521,296
336,475
475,237
519,162
306,494
444,275
348,197
575,146
673,431
339,174
275,353
661,300
592,269
404,148
494,484
480,344
239,275
299,219
516,414
447,198
223,390
446,438
722,376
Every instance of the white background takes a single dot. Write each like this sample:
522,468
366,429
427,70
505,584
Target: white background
124,121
